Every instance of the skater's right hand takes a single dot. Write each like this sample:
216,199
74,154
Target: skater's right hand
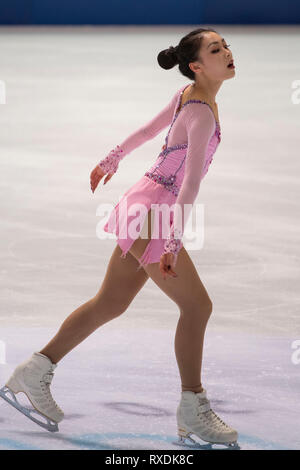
97,175
167,265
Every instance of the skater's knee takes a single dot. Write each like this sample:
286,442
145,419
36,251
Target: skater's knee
201,308
208,307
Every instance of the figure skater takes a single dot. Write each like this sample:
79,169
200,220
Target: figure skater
194,134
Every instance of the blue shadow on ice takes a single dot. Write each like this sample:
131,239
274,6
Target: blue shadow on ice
105,441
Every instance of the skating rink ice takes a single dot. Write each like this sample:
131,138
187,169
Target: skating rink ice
73,94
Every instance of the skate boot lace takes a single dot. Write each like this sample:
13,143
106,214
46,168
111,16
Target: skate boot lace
209,417
45,386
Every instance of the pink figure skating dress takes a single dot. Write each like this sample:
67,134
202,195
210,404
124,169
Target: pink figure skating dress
175,177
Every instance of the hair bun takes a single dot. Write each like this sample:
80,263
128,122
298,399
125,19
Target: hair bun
173,50
168,57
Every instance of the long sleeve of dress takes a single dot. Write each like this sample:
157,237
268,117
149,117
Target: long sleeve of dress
144,133
200,125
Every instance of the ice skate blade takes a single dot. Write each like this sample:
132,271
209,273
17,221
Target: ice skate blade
50,425
188,441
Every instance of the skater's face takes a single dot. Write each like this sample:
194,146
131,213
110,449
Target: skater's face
214,57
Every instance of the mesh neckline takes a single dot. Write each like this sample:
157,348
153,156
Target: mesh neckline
193,101
217,131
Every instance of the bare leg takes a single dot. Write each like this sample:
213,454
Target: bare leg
107,304
195,306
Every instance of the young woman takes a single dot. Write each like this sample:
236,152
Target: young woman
193,137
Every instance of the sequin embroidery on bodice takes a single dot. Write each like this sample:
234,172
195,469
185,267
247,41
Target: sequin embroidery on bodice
168,169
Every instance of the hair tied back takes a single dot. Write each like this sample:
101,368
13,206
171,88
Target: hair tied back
173,50
168,57
186,51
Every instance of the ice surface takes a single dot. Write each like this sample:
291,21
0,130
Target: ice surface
118,391
67,105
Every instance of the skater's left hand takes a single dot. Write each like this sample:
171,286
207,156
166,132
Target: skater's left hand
167,265
97,175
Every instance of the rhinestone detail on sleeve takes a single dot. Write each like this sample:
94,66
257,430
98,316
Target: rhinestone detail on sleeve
110,163
173,243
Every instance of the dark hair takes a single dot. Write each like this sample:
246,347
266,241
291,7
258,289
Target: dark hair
186,52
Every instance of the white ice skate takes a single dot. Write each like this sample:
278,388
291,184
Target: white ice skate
33,377
195,416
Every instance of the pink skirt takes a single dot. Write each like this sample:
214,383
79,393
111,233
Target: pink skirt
123,220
